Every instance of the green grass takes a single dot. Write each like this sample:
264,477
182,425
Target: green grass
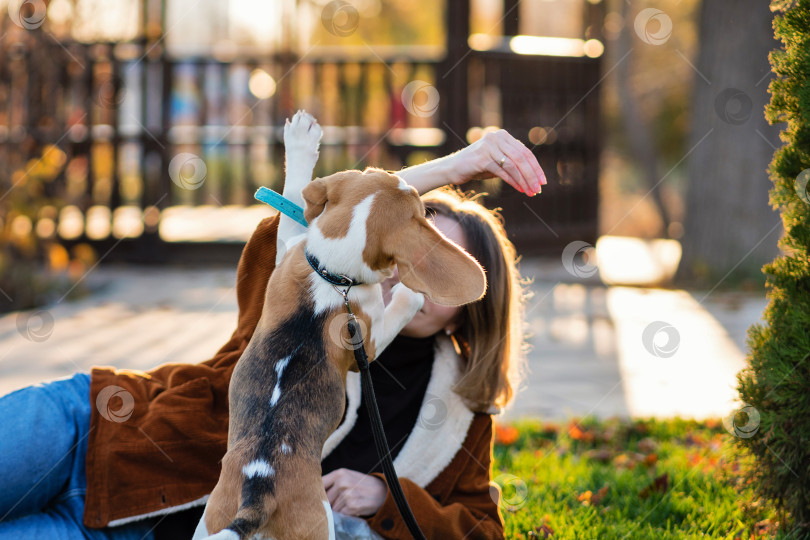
658,480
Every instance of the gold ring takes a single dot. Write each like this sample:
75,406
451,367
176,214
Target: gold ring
502,161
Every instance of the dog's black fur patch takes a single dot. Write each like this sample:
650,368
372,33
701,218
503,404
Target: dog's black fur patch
310,387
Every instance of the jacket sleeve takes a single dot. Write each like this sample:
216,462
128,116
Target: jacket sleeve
468,508
167,452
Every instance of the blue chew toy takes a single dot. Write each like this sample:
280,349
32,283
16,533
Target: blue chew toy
282,204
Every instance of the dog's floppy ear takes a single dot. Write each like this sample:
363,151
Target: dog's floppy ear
314,195
433,265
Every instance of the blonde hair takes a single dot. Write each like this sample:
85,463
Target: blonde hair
490,333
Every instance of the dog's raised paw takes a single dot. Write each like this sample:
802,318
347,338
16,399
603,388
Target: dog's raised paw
402,295
302,135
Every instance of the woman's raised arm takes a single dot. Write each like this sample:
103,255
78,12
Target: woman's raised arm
496,154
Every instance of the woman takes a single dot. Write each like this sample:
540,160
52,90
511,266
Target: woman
435,403
145,446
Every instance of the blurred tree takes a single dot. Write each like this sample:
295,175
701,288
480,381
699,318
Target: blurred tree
646,115
728,225
640,137
774,425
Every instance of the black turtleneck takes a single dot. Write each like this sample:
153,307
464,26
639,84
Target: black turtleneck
400,376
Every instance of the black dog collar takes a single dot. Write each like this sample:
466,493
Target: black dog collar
334,279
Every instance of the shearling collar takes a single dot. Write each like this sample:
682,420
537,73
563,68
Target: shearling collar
440,429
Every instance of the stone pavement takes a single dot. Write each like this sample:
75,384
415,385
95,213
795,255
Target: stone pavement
590,353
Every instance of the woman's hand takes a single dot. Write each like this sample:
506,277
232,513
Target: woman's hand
354,493
496,154
499,154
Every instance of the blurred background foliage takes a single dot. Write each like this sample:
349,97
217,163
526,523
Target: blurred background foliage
33,264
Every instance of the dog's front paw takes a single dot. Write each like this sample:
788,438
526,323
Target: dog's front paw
409,300
302,135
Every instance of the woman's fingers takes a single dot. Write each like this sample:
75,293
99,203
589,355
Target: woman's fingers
527,162
517,173
503,173
520,169
354,493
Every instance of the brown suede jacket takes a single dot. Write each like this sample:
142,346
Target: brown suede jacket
166,455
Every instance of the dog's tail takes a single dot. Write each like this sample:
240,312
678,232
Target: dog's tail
258,504
249,518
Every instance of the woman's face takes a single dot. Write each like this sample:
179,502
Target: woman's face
432,318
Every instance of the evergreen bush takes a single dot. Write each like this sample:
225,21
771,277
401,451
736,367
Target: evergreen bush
775,425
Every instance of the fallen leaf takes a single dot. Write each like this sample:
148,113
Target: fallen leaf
650,460
659,485
623,460
694,440
647,445
767,528
578,434
506,435
628,459
585,498
600,495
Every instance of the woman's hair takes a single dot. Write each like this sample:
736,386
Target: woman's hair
489,335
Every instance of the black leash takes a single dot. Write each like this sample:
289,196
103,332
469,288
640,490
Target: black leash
380,440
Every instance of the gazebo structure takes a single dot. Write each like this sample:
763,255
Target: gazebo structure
156,119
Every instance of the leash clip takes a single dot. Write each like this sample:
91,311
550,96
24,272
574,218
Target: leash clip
355,334
345,295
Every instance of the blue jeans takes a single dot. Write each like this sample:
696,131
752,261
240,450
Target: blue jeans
43,444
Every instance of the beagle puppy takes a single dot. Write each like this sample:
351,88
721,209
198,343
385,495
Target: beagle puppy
287,392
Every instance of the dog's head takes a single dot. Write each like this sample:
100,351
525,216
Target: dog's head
364,224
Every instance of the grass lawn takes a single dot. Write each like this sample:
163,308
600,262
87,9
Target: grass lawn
625,479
